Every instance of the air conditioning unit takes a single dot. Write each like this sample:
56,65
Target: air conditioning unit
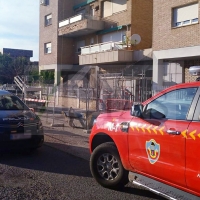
43,2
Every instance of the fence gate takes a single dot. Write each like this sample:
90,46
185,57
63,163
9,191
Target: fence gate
117,92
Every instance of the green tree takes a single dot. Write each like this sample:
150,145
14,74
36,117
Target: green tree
11,67
48,76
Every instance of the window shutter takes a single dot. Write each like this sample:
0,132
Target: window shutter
107,8
185,13
119,5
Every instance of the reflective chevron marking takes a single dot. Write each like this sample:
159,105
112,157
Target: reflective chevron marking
148,128
192,134
132,128
143,128
154,129
137,128
161,130
184,133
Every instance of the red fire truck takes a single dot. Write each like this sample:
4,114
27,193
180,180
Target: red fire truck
155,145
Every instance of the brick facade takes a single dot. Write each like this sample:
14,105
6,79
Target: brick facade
167,37
142,22
138,14
48,34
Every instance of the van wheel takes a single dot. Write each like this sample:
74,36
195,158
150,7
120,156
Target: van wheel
106,167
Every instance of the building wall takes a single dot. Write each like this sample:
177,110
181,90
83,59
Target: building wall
67,53
167,37
66,50
138,12
65,8
142,22
49,33
66,46
119,18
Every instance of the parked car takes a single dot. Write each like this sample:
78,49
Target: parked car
20,127
156,145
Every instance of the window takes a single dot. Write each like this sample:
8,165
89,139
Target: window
195,20
47,48
82,11
185,15
124,38
172,105
92,41
10,102
48,20
44,2
119,5
113,6
80,44
116,36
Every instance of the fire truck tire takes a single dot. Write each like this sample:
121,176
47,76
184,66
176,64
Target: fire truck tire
106,167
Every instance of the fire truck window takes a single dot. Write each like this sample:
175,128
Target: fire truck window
172,105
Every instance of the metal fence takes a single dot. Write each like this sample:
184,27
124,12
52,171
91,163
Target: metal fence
117,92
114,92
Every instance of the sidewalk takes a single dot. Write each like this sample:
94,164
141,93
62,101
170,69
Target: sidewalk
71,140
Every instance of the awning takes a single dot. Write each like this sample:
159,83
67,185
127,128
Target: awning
109,30
83,4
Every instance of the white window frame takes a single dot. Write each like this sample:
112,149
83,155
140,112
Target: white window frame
47,48
187,20
48,20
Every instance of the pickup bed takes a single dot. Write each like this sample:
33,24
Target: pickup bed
154,145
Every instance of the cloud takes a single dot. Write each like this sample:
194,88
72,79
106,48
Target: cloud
19,25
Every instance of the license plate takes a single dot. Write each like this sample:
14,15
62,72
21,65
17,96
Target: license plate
20,136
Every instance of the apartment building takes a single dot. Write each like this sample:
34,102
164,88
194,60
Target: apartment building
176,41
18,53
92,35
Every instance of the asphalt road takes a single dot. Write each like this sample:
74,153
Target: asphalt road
52,174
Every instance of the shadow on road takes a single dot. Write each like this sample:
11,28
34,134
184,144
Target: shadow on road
47,159
140,192
64,131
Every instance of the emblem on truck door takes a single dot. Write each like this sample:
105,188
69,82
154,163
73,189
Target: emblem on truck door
153,151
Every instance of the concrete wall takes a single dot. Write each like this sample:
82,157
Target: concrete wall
67,102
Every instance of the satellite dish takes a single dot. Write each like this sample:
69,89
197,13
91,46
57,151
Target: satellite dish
135,39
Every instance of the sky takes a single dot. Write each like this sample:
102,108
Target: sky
19,25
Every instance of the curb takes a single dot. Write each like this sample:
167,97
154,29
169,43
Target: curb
87,131
57,125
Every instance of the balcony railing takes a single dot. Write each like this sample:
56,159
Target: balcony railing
77,18
101,47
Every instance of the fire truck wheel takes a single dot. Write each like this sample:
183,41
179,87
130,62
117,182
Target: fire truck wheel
106,167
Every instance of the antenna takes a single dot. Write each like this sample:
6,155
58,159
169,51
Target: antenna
135,39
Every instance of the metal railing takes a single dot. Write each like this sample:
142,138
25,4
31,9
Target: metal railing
101,47
76,18
19,82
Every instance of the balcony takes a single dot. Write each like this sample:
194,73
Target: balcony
79,25
111,52
105,53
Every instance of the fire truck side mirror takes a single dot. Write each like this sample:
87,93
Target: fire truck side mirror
136,110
